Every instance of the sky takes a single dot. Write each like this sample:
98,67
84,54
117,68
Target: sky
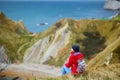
52,0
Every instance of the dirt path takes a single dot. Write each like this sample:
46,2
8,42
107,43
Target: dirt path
29,70
19,50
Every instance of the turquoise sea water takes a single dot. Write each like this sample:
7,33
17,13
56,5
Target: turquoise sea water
32,13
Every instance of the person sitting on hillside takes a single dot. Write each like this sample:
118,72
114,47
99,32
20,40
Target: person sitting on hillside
71,66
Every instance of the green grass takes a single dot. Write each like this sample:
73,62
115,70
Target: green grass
12,45
12,36
94,43
67,77
60,60
116,17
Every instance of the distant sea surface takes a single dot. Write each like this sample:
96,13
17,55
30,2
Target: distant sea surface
35,12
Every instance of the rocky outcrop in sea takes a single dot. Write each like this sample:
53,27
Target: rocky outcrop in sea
112,5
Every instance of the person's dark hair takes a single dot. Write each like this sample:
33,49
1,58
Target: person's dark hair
76,48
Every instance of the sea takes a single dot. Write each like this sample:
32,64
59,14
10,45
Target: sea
35,13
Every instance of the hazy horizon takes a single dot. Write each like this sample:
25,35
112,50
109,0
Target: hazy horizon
52,0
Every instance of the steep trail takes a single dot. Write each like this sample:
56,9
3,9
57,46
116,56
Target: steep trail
19,50
62,37
29,70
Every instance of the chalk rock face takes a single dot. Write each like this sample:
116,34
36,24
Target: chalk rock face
112,5
3,56
43,50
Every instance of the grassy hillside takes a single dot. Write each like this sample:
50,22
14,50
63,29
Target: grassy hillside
117,17
100,42
12,36
93,36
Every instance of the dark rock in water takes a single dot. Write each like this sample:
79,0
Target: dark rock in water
112,5
42,24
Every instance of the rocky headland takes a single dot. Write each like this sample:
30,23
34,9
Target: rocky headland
112,5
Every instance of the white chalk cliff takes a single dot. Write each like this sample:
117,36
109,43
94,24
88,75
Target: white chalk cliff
112,5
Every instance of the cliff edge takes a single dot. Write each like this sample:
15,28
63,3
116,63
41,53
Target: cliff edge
12,33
